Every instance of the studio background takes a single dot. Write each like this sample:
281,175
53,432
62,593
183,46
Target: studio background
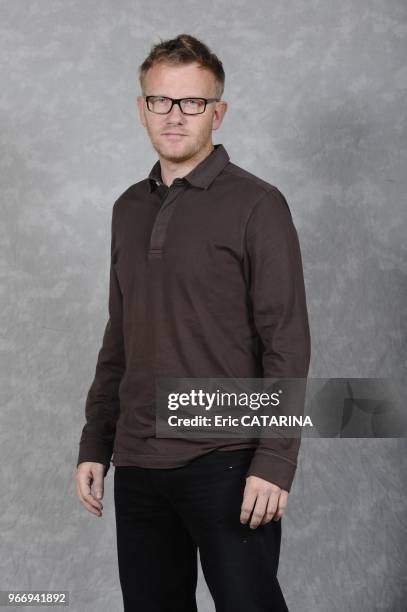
317,106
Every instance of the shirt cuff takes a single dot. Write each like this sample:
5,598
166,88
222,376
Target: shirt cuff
96,454
274,468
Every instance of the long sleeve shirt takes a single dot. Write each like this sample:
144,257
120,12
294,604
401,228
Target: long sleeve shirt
206,281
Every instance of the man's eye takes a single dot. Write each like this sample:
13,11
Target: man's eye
191,101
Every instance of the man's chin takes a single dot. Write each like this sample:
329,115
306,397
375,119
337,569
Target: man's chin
175,152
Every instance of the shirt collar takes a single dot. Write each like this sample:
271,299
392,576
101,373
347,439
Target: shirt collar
203,174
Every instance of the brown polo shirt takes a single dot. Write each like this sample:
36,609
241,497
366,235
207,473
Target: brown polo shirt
206,281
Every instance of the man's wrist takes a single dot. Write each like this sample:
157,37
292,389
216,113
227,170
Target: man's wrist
274,468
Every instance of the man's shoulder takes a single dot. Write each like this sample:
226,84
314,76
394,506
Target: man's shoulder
134,193
248,184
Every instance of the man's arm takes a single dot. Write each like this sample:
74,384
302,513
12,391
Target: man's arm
102,402
276,286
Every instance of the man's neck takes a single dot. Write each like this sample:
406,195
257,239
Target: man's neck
171,170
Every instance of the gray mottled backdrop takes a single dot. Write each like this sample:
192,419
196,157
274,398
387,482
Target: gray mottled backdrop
317,106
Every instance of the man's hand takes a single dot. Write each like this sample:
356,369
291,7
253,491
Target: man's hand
265,499
90,474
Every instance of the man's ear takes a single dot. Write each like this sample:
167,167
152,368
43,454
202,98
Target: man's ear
219,114
141,109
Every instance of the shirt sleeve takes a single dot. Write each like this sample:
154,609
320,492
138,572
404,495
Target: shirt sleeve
102,402
273,263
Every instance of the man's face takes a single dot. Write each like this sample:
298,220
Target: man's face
193,132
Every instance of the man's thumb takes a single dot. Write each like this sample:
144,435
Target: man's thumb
98,491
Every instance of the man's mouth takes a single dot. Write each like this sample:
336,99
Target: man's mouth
173,134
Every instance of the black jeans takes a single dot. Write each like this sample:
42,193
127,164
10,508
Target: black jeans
164,515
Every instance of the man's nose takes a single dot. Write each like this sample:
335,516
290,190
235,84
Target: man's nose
175,112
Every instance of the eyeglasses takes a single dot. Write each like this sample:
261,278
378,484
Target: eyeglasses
189,106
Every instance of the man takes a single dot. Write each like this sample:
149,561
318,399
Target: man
205,281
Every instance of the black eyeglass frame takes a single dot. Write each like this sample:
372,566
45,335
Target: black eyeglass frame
178,101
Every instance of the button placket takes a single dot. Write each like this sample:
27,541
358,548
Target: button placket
162,220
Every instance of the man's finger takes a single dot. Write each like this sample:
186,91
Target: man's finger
259,510
89,498
86,504
282,505
91,508
272,506
249,499
85,494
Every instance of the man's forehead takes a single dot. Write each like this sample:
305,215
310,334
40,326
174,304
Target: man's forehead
170,76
